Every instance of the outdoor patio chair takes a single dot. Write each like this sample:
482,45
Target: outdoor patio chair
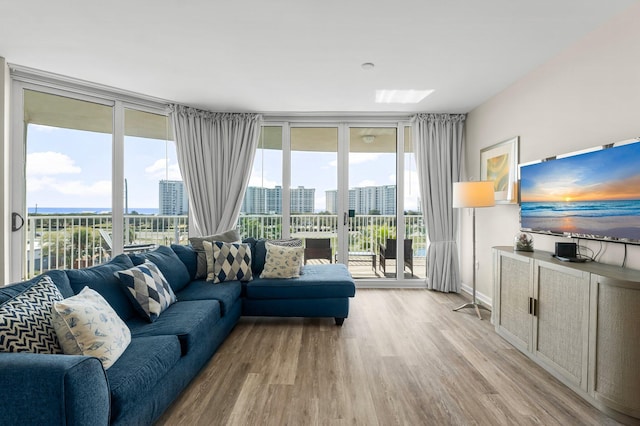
388,252
317,248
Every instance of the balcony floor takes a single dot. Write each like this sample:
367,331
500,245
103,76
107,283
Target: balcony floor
361,268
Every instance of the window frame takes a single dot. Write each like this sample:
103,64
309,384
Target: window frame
26,79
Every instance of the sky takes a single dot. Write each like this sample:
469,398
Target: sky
610,174
72,168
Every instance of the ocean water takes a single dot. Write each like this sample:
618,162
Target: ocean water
594,219
86,210
586,209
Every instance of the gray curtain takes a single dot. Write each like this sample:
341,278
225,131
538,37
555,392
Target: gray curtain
215,154
438,144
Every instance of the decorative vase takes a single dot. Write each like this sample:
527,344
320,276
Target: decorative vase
523,242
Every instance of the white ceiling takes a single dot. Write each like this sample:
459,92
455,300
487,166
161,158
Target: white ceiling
298,55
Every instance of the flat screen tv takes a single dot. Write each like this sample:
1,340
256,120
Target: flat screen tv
593,194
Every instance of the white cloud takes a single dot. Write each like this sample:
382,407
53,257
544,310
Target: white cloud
159,170
39,184
101,188
41,128
159,166
257,180
363,157
95,189
50,163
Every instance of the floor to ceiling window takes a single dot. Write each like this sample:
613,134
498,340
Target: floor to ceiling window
68,181
261,212
372,189
92,182
156,204
314,181
414,228
100,177
337,185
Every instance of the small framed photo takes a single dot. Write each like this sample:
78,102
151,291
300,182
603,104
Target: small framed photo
499,163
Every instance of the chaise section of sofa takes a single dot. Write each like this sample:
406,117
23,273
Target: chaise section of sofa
321,291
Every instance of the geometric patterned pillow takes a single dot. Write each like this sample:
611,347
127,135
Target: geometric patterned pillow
282,262
87,325
230,236
25,320
228,261
289,242
149,291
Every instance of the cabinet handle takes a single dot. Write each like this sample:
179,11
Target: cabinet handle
535,307
530,306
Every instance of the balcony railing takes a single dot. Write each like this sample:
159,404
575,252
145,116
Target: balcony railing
77,241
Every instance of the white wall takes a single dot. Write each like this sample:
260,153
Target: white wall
586,96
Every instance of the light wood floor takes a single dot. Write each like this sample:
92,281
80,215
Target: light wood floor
401,358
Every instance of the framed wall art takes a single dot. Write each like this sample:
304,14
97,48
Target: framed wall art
499,163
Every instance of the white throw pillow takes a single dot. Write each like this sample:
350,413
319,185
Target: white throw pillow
87,325
282,262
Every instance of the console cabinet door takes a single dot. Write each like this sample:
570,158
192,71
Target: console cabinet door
513,287
561,324
615,344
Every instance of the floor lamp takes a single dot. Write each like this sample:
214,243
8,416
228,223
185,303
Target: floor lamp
473,195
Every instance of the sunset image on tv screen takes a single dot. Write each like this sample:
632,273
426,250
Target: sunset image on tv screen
594,194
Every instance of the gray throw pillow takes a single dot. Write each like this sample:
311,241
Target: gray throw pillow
231,236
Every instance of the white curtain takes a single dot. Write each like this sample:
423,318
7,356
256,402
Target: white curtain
215,155
438,143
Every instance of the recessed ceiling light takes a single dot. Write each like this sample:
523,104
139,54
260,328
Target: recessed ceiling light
387,96
367,66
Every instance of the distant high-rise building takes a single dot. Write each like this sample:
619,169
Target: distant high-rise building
254,200
331,197
273,200
364,200
258,200
172,198
302,200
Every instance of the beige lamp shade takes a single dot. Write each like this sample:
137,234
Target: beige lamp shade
473,194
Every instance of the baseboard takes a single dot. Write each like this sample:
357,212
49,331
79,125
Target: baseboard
486,300
391,284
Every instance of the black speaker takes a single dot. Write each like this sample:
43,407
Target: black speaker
567,250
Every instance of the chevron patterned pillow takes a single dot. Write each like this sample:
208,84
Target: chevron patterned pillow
25,320
149,291
228,261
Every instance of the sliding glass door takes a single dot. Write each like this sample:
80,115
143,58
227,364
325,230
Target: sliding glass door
89,174
313,189
372,202
68,178
351,196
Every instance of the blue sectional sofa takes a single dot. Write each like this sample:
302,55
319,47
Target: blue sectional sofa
164,355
